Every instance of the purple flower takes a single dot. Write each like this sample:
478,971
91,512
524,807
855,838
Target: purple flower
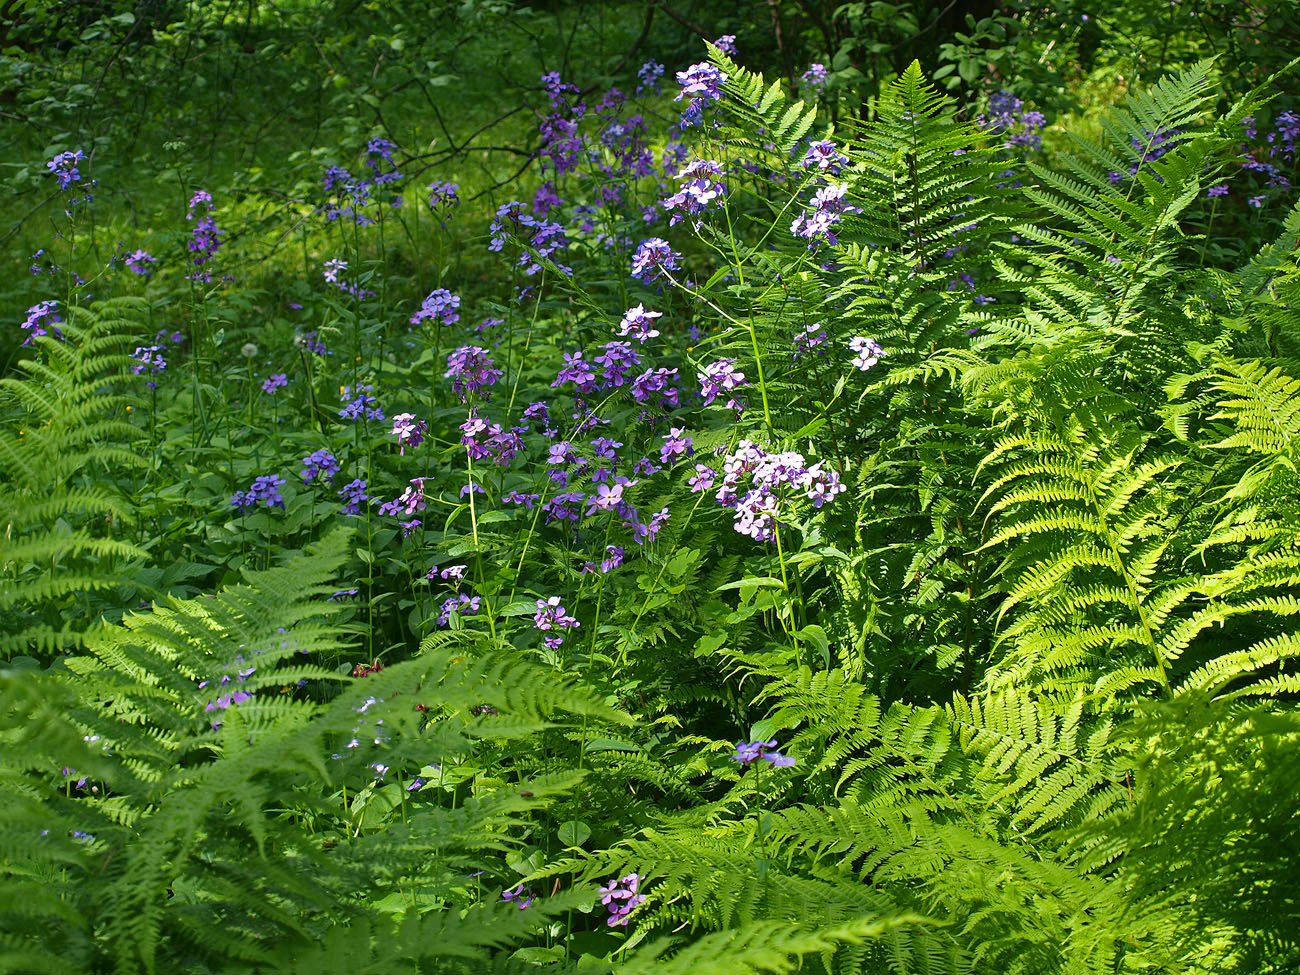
702,480
409,431
546,199
649,77
41,318
453,573
575,370
410,501
868,352
141,262
462,605
363,406
276,381
64,167
653,381
443,194
720,378
205,240
353,494
651,258
409,527
616,361
748,752
1005,116
514,497
470,369
827,207
333,268
824,156
613,558
440,306
677,446
727,45
551,615
815,76
621,897
703,82
200,198
1220,190
311,342
808,338
149,358
322,464
770,477
697,193
639,324
523,898
265,489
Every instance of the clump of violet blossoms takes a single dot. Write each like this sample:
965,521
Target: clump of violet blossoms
265,489
64,167
867,352
41,318
621,898
638,323
409,431
748,752
470,369
550,616
771,477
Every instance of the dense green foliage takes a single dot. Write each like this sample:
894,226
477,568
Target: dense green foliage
916,593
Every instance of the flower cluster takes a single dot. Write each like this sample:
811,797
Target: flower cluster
205,238
719,378
828,206
771,477
410,501
867,352
349,195
748,752
677,445
64,167
354,495
276,381
815,76
1005,116
148,358
440,306
41,319
697,193
470,369
545,239
727,45
551,616
443,194
649,77
141,262
363,406
335,267
462,605
265,489
652,257
638,323
226,700
520,897
621,898
825,157
703,83
808,338
409,431
321,464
